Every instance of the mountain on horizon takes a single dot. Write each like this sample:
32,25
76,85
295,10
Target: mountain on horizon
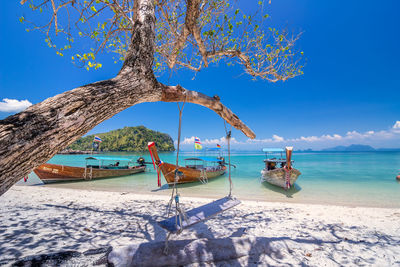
351,148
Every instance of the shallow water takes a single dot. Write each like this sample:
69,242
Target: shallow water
352,179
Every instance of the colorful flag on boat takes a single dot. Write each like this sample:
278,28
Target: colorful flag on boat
97,139
197,143
218,146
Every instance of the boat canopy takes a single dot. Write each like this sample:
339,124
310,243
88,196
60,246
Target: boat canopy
209,159
270,150
109,158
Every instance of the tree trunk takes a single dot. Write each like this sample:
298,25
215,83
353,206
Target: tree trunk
30,138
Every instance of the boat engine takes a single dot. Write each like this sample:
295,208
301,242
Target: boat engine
141,161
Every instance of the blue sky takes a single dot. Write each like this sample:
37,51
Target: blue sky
349,93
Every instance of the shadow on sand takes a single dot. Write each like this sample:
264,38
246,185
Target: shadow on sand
68,228
288,193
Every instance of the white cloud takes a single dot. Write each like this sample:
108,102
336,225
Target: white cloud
394,132
220,141
255,141
188,141
309,138
13,105
333,137
370,135
277,138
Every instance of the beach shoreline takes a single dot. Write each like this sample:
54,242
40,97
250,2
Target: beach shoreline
285,197
37,220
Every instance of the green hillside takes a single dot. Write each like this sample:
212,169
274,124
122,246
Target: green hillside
127,139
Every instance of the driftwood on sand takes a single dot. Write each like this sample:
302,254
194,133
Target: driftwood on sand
185,252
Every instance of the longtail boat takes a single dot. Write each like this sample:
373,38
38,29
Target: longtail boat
195,169
95,168
283,176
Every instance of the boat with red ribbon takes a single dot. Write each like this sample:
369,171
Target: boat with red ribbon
195,170
283,176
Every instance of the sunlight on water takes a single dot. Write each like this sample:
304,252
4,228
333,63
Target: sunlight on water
355,179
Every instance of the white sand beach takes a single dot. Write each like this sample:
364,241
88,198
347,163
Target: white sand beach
36,220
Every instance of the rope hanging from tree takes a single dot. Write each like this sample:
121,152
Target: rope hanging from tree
178,175
228,138
180,214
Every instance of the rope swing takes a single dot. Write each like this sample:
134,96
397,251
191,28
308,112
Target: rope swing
182,219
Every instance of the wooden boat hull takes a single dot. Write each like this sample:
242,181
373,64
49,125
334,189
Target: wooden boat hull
190,175
52,173
278,176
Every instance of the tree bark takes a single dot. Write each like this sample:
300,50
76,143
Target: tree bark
30,138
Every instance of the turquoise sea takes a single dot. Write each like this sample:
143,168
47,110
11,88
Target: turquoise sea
337,178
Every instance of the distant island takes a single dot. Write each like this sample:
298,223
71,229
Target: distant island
351,148
130,139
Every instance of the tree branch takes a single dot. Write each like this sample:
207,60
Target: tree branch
245,60
178,93
190,27
179,44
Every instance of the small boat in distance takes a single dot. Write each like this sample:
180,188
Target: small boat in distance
283,176
96,167
195,169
